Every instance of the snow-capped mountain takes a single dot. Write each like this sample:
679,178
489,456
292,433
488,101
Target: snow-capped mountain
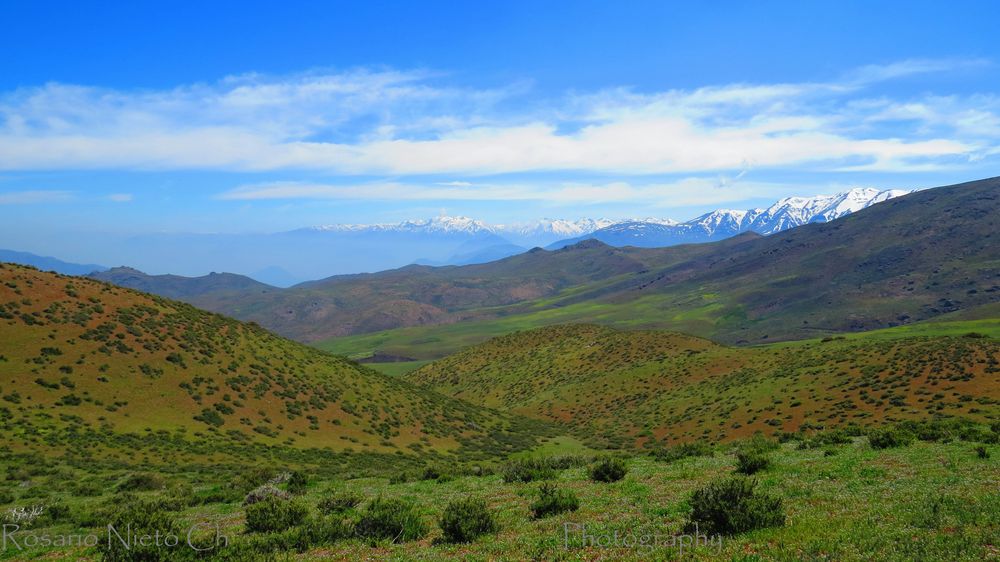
724,223
440,224
448,240
795,211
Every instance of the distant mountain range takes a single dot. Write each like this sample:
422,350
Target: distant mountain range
910,258
46,263
723,223
284,259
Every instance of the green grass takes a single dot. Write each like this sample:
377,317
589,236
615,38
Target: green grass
398,368
935,502
634,389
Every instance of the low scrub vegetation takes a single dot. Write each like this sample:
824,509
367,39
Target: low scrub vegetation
390,519
467,519
890,437
273,514
608,469
552,500
751,462
733,505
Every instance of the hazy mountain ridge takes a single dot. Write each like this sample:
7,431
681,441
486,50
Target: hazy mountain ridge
906,260
47,263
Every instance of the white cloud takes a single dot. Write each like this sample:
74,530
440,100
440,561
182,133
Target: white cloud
403,123
34,197
686,191
120,197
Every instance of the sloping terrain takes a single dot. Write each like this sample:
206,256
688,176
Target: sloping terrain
910,259
422,295
179,287
82,357
623,389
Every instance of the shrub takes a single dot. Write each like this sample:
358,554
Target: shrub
732,506
86,489
751,462
466,520
682,451
758,443
890,437
431,473
982,453
400,478
139,517
6,497
527,470
273,514
338,503
552,501
297,483
608,469
264,492
563,462
315,532
140,482
251,478
391,519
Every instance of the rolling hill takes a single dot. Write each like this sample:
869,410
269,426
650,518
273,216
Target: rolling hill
83,358
422,295
909,259
179,287
629,388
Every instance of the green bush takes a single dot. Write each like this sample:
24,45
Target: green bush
563,462
608,469
400,478
139,517
552,501
982,453
758,443
297,483
732,506
251,478
140,483
391,519
264,492
751,462
432,473
273,514
466,520
6,497
682,451
338,503
889,437
527,470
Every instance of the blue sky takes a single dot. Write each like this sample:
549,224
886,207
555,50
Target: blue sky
132,117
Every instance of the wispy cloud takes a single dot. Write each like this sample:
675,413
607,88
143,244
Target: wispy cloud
34,197
120,197
681,192
396,123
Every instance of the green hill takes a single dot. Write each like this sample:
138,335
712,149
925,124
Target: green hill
627,389
179,287
915,258
84,358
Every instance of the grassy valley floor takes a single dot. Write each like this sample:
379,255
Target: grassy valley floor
925,501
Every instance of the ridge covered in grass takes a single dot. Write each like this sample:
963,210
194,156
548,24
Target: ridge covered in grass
83,361
635,388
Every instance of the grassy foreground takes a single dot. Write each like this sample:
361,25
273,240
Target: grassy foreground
923,501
